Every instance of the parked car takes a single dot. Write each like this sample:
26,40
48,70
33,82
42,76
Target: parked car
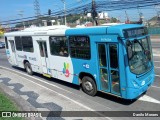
2,44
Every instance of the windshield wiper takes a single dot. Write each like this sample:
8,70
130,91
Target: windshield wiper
146,52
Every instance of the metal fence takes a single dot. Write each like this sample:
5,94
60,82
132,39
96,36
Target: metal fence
154,30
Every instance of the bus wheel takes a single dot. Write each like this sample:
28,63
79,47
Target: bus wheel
28,68
89,86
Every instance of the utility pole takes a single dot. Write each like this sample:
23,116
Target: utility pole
158,17
64,3
140,16
94,13
37,11
157,8
21,15
127,21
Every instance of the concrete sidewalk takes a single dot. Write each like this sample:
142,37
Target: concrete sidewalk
39,96
21,103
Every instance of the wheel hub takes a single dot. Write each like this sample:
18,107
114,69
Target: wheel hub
88,86
28,69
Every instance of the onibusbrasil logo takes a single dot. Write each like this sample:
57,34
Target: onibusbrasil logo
66,69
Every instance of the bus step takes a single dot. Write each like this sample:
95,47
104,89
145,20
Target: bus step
47,75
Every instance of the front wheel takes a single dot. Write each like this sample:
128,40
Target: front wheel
89,86
28,68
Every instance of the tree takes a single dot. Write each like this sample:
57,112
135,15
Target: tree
114,20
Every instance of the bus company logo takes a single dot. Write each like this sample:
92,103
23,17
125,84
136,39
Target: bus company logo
85,65
66,69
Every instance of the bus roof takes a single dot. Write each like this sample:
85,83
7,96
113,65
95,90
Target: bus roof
64,30
97,30
49,30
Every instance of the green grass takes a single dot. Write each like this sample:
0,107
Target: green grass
7,105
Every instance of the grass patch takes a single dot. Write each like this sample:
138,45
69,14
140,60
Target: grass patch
7,105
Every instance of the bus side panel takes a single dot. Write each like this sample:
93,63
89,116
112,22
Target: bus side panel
30,57
88,66
36,58
122,69
61,68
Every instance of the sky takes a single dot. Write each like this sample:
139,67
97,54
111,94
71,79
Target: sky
10,9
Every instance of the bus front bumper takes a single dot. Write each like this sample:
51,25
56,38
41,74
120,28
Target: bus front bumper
133,93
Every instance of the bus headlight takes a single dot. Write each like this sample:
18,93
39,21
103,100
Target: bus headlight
135,84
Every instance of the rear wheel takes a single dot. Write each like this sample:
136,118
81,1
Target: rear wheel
28,68
89,86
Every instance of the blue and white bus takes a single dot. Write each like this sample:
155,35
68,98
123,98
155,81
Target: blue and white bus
113,59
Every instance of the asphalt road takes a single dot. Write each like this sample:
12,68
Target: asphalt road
148,102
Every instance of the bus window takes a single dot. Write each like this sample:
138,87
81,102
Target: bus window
102,55
43,49
58,46
141,60
27,44
80,47
104,79
18,43
114,68
113,56
6,42
103,65
115,81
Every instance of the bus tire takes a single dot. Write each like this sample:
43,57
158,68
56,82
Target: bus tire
28,68
89,86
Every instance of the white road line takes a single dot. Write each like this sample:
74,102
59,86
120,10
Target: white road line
148,99
157,75
156,55
76,102
157,67
156,61
155,86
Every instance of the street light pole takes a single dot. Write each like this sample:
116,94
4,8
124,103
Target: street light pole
64,11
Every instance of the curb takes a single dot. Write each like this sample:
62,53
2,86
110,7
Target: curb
22,104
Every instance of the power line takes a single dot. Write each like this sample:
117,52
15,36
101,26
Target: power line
101,5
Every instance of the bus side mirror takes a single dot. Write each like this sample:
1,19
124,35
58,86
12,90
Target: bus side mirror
129,49
148,54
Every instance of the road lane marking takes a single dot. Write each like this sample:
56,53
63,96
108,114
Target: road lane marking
157,67
156,55
157,75
156,61
76,102
155,86
149,99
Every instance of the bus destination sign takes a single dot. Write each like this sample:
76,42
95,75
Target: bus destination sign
135,32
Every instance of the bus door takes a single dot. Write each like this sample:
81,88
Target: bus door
109,67
44,56
13,52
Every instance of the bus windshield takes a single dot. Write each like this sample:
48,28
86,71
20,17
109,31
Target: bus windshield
141,59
